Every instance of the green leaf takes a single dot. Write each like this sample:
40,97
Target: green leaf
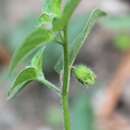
24,78
37,61
52,7
82,37
35,40
51,10
69,9
79,41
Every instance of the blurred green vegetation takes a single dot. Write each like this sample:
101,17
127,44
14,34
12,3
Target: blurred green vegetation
83,117
121,26
122,42
117,22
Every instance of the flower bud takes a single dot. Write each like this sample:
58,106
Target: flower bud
84,75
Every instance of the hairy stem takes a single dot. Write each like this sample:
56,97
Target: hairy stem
66,83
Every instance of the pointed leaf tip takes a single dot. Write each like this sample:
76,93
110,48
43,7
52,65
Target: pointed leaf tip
79,41
26,76
83,35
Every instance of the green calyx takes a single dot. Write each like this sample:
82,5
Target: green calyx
84,75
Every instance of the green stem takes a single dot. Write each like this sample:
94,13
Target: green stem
50,85
66,84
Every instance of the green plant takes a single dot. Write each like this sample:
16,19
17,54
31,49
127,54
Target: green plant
53,27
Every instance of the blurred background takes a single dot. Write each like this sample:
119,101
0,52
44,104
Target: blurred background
105,106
